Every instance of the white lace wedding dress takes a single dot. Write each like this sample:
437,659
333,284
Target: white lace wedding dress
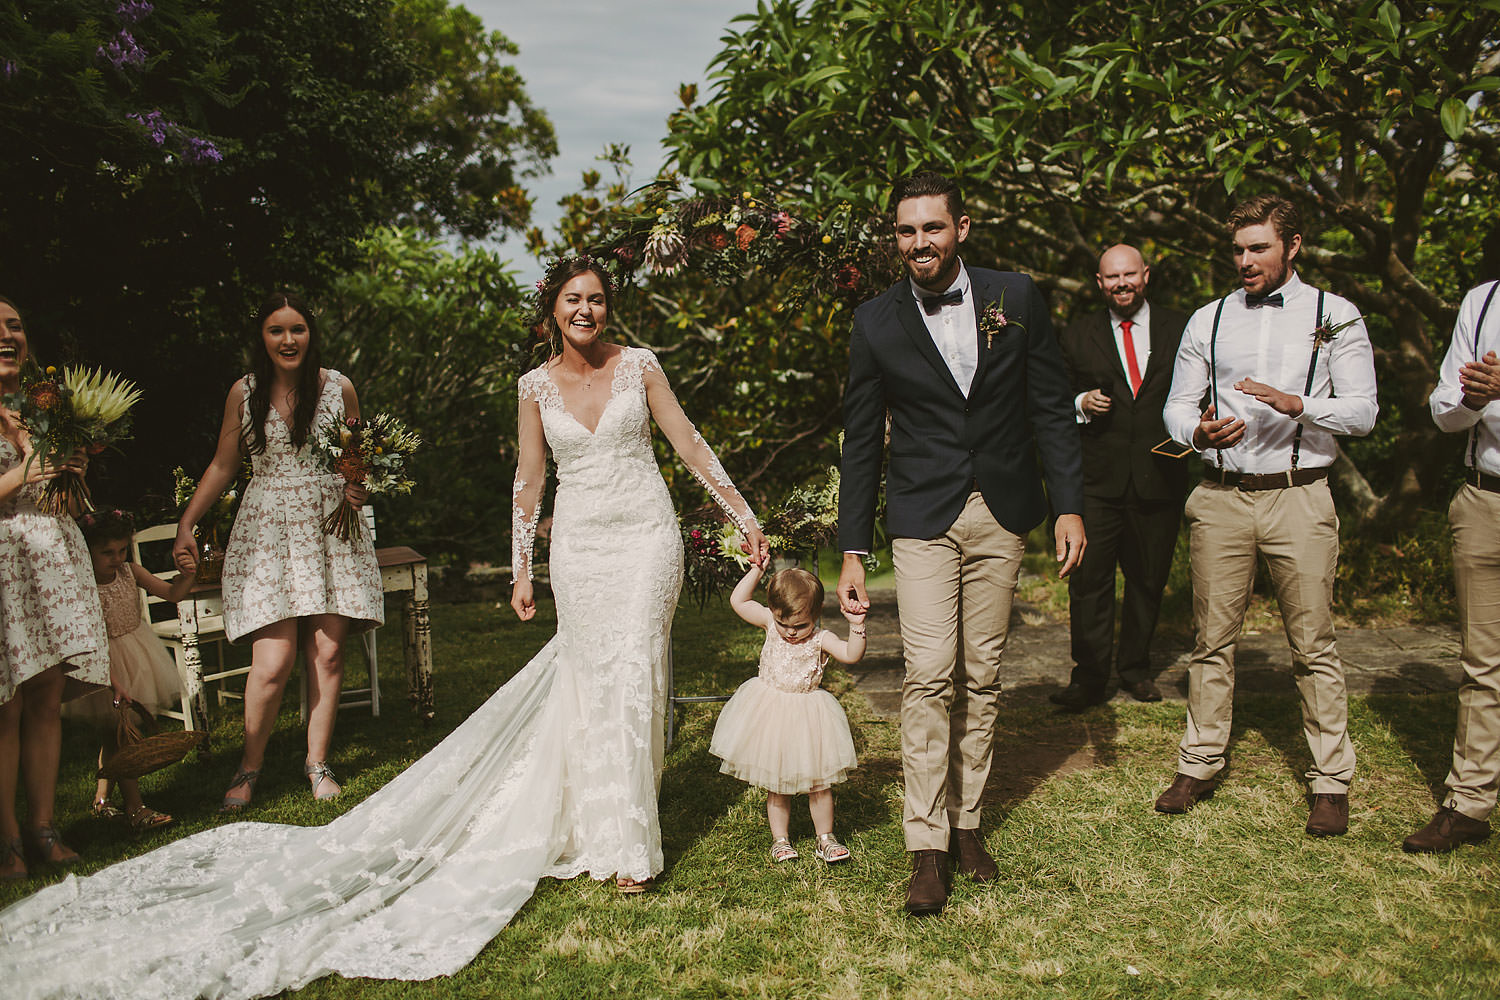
555,775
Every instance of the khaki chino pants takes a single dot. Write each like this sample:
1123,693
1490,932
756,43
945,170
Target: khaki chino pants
954,597
1474,516
1297,532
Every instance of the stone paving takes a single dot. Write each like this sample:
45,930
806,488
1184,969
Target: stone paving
1411,659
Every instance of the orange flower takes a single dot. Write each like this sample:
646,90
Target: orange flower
351,468
745,235
43,395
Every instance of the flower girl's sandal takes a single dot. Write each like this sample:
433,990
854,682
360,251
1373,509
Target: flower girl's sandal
246,778
633,887
146,818
830,850
104,809
317,773
782,850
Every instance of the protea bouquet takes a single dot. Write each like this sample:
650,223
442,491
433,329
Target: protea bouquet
77,410
371,452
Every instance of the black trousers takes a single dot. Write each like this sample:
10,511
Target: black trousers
1139,536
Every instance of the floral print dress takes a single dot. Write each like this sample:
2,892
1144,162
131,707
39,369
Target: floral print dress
49,607
280,563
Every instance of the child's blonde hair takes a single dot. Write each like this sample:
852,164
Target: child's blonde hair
794,590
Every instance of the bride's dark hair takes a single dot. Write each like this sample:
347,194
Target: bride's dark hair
306,393
562,271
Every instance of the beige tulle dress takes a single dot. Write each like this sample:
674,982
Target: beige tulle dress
137,659
781,731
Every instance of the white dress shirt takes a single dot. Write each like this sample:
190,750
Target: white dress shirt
954,329
1140,336
1447,400
1274,345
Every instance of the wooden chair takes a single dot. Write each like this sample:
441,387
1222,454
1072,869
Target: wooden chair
197,620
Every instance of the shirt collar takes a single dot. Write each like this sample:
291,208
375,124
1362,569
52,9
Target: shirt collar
961,281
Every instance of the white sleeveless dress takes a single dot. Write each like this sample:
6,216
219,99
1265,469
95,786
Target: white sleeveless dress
555,775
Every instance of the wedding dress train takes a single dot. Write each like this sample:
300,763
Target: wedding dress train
555,775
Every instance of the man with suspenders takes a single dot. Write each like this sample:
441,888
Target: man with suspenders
1283,367
1464,403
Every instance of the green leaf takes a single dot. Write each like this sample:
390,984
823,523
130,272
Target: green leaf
1455,117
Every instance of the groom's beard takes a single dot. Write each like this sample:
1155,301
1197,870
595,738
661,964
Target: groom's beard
935,274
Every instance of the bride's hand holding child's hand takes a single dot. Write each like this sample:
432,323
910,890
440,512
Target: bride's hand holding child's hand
756,547
523,600
853,617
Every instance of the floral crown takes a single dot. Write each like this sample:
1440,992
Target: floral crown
96,521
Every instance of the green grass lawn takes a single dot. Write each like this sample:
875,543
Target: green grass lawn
1098,896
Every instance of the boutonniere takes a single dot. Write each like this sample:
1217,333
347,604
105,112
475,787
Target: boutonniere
992,320
1326,331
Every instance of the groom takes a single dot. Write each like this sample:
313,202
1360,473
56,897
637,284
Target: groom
965,364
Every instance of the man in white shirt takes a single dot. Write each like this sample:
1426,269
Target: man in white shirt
1464,403
1285,367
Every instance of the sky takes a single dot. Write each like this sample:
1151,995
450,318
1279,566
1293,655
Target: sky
604,71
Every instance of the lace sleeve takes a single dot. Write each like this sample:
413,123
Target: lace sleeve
526,493
690,446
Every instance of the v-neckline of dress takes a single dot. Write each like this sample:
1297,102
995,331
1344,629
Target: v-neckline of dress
614,390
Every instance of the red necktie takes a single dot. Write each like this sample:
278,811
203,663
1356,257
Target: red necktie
1131,366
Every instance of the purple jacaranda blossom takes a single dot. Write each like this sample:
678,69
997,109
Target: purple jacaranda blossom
7,69
156,123
202,151
132,11
123,51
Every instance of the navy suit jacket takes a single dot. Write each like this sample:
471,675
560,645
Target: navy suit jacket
943,445
1117,445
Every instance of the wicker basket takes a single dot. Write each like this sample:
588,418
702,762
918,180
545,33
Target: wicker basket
141,750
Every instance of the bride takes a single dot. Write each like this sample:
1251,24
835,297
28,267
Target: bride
556,775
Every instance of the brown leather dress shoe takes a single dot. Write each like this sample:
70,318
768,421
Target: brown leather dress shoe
966,848
1445,831
1076,698
1142,690
1183,792
928,891
1329,815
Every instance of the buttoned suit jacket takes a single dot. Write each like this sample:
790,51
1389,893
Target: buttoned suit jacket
1117,445
1013,430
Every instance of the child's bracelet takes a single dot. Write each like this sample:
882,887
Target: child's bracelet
860,630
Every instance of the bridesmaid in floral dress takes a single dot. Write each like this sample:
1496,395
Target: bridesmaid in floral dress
286,582
51,629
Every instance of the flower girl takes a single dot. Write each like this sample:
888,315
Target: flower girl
140,668
781,731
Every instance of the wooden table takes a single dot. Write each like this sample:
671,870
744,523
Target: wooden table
200,618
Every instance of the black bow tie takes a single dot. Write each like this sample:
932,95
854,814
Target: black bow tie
953,297
1253,301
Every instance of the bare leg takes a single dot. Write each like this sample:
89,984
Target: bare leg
820,805
41,751
323,650
10,763
779,814
272,653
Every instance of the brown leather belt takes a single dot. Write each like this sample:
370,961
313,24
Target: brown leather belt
1267,480
1483,480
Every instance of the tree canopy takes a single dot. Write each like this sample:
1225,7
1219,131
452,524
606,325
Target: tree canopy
170,162
1072,126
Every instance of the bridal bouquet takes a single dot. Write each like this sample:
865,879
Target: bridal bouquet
77,410
371,452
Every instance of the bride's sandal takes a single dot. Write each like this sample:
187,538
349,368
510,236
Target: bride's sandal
45,847
245,778
782,850
318,773
12,849
830,850
633,887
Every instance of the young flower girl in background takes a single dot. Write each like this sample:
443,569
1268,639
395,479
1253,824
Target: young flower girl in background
140,668
781,731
